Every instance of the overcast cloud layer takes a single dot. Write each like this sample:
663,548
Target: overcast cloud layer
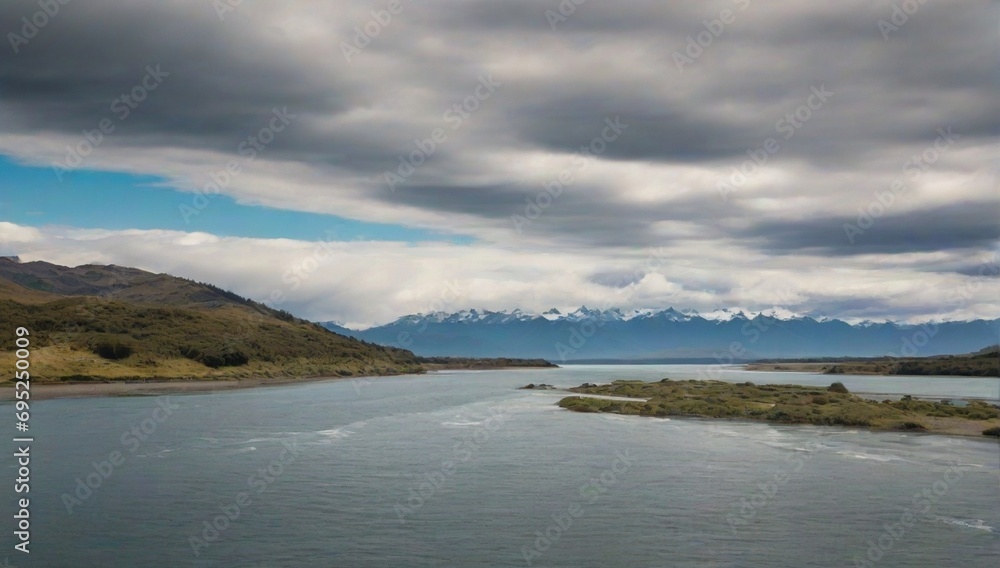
844,107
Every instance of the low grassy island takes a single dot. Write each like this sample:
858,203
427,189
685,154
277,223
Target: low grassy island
785,404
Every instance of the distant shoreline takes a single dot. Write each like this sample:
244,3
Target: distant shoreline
922,367
158,387
792,367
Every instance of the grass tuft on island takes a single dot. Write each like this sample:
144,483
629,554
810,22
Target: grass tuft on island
785,404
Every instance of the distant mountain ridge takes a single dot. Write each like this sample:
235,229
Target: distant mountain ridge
585,313
724,335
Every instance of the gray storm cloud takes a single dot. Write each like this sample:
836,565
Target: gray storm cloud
702,86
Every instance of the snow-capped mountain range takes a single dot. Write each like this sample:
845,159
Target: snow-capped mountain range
585,313
668,333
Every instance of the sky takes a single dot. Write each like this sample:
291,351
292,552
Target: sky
359,161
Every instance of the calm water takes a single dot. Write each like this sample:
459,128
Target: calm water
461,469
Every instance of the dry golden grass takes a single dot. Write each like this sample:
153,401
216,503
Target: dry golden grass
11,291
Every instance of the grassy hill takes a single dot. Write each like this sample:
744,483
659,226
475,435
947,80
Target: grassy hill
108,322
88,280
118,283
14,292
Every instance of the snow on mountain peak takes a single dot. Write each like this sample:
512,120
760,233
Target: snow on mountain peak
613,314
552,315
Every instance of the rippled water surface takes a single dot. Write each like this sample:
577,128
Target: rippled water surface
462,469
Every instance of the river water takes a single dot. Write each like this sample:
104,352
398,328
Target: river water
461,469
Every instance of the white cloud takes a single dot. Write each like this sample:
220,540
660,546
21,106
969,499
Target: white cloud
654,188
11,234
364,283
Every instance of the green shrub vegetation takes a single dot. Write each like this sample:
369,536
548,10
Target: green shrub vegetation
112,349
85,337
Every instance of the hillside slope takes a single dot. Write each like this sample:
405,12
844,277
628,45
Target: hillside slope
106,322
11,291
